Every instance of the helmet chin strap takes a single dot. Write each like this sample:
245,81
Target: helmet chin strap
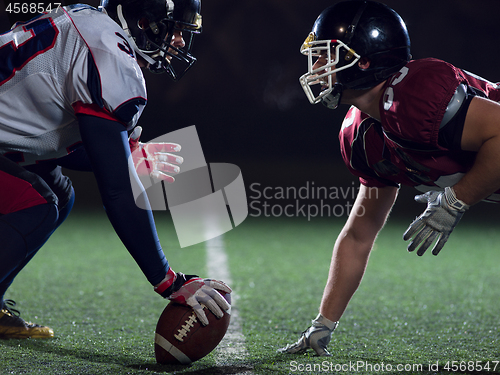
125,28
332,99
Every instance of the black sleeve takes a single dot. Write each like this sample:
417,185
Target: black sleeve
106,143
450,134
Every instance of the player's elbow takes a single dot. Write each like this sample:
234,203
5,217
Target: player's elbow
356,241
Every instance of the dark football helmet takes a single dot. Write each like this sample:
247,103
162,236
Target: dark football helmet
348,32
150,24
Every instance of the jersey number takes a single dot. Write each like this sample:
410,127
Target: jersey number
389,92
15,57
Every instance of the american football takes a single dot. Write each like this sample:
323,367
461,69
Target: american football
181,339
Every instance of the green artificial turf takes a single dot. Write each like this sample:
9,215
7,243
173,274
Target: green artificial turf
409,310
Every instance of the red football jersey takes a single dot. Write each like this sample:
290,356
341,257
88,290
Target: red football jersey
403,147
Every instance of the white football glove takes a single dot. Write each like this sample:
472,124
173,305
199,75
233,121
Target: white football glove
316,337
443,213
154,159
193,291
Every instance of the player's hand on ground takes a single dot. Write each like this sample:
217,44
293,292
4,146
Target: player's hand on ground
193,291
443,213
316,337
154,159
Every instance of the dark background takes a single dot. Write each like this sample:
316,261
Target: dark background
244,97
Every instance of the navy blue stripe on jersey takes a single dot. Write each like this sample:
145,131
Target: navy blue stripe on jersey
106,143
94,82
126,111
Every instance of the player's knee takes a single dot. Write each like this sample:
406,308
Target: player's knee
44,223
66,209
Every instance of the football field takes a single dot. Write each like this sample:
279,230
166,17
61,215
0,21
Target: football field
411,315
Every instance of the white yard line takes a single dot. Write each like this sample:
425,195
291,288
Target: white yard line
232,347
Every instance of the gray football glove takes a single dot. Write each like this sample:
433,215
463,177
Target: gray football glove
443,213
315,337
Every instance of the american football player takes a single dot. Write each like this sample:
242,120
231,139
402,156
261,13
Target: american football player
71,87
423,123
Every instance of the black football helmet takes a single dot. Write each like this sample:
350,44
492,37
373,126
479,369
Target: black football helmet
347,32
153,41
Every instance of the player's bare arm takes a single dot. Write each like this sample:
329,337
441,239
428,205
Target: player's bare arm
349,259
353,247
482,135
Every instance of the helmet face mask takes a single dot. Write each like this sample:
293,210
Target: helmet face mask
345,34
175,61
152,26
329,90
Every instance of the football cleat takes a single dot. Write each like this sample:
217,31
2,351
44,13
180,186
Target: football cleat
13,327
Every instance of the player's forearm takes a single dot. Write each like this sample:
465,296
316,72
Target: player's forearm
347,268
107,147
484,177
136,229
353,246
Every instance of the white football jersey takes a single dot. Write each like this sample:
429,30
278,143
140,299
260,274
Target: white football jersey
73,60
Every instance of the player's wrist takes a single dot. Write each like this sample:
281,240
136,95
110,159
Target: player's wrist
170,285
133,139
331,325
453,201
163,288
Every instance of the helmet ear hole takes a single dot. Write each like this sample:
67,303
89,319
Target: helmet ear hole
143,23
364,63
